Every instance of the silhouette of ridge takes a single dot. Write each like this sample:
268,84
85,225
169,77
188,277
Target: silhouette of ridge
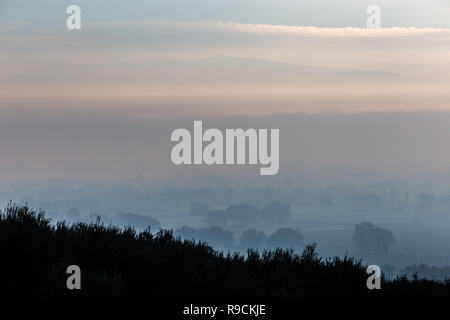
122,263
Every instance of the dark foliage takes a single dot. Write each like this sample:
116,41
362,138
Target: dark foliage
121,263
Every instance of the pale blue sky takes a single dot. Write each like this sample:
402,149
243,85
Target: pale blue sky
329,13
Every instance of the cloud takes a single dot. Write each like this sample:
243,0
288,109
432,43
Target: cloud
264,29
210,26
103,100
165,67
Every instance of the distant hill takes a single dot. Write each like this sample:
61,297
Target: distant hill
220,70
250,70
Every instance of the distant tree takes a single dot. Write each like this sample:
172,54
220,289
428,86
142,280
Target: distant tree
372,239
252,238
198,209
242,215
285,238
216,236
276,212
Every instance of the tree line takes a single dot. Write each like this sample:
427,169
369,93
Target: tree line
123,263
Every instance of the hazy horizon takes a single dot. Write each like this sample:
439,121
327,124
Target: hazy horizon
98,104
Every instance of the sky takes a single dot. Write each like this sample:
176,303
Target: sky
321,13
82,103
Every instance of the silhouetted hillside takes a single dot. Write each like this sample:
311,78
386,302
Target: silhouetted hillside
121,263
